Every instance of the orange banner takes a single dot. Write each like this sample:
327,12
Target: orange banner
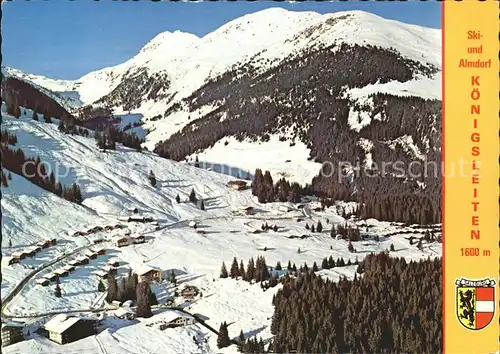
471,175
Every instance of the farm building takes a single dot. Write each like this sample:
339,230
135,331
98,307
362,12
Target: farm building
108,227
99,240
69,268
237,185
64,329
147,273
125,313
19,255
109,269
30,252
52,241
80,233
90,254
61,272
51,276
83,260
138,239
43,244
43,281
175,318
12,332
189,292
74,263
114,262
121,241
97,229
249,210
125,218
99,251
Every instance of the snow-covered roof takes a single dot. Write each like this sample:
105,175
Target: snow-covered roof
41,280
172,315
113,260
60,271
67,267
74,262
136,236
88,253
82,258
100,273
145,269
99,249
124,310
18,254
60,323
13,324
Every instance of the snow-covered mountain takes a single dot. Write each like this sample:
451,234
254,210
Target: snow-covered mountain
283,69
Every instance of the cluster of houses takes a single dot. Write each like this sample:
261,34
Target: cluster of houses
136,218
110,268
31,251
96,229
70,266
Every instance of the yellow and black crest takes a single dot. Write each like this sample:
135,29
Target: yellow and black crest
475,302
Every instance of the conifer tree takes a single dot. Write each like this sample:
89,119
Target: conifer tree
202,205
178,199
223,271
35,115
152,178
392,249
100,287
319,227
57,291
112,288
223,337
235,271
192,196
143,298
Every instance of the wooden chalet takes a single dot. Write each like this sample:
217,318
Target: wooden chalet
98,241
52,241
189,292
97,229
174,318
114,262
30,252
83,260
61,272
125,313
99,251
69,268
74,262
249,210
51,276
237,185
121,241
80,233
64,329
42,281
89,254
148,273
43,244
18,255
12,332
138,239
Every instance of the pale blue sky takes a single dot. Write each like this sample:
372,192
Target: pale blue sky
67,39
